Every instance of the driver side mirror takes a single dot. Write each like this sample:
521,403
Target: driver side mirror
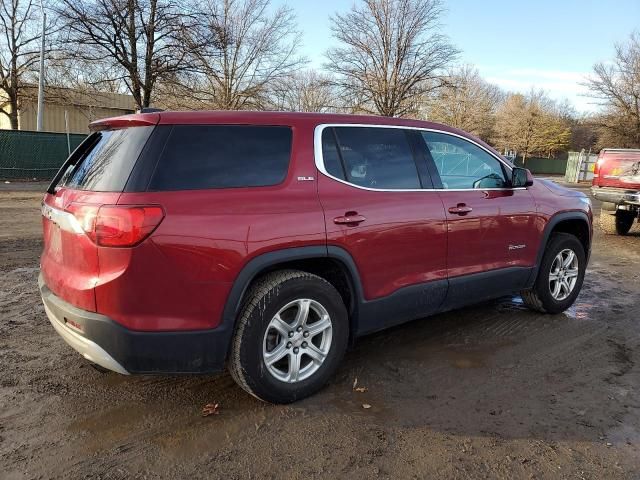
521,177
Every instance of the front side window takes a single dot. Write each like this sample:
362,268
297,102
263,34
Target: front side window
223,156
463,165
378,158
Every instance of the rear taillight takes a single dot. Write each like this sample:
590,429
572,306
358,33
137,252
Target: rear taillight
596,168
115,225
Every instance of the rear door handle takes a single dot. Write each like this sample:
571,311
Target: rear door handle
350,219
460,209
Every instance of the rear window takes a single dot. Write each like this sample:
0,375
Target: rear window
223,156
103,162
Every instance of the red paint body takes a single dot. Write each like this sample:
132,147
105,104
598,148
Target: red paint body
180,276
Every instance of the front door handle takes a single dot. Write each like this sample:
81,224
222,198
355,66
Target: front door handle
460,209
350,219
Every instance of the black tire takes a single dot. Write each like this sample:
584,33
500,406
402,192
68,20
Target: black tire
616,223
624,221
540,298
266,297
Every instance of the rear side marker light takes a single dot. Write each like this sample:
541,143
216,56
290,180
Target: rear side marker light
117,225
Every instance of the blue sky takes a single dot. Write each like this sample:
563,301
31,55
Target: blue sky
549,44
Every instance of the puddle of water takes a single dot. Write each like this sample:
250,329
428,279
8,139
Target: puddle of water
579,311
513,303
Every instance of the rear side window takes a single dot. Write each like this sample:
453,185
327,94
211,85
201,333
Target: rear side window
223,156
379,158
105,159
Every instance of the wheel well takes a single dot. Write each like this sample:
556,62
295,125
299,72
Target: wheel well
576,227
332,270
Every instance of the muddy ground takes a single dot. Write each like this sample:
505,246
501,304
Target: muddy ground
493,391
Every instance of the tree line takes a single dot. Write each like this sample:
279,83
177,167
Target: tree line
390,59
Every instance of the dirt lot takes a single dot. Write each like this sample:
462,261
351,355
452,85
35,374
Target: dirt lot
493,391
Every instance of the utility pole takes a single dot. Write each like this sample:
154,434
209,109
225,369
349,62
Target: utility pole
41,82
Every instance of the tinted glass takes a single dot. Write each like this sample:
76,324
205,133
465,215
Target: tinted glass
106,160
223,156
330,156
463,165
377,157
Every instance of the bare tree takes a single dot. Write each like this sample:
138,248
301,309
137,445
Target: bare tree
305,91
19,52
467,102
140,40
617,85
391,52
532,124
244,51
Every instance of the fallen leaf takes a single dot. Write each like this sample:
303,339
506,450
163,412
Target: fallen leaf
355,383
360,389
366,406
210,409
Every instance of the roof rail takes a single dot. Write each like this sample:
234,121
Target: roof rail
150,110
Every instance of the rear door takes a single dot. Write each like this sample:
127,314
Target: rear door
379,209
94,175
491,227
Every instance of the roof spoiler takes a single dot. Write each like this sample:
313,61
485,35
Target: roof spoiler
125,121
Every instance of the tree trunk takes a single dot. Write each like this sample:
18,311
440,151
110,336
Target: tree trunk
13,111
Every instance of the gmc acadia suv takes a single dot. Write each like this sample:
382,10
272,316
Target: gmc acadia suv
184,242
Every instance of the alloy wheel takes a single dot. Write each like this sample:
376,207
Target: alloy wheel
563,274
297,340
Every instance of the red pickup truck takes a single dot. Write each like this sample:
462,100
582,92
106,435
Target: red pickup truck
616,182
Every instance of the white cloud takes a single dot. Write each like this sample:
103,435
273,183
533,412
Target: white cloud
558,84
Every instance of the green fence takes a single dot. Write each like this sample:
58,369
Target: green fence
39,155
29,155
548,166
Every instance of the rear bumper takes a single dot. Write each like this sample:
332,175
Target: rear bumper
619,196
107,343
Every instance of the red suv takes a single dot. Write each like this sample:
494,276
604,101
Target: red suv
616,181
184,242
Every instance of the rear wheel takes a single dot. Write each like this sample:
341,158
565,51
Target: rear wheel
290,338
618,222
560,275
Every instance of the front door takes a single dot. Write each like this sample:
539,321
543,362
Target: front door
490,225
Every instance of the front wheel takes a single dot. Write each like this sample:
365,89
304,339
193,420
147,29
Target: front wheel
290,338
617,222
560,275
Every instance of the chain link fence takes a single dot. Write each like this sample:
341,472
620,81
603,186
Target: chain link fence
34,155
